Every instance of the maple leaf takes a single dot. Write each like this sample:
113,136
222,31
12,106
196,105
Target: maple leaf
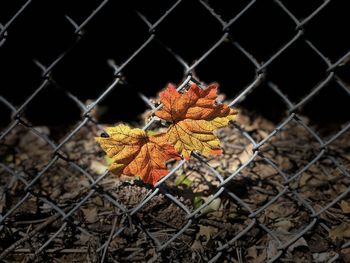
193,117
136,153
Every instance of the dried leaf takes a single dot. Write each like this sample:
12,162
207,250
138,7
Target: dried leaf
136,153
193,117
90,214
345,253
207,232
97,167
340,232
261,258
246,154
272,249
2,198
301,242
92,255
284,225
197,246
322,257
213,206
252,252
345,206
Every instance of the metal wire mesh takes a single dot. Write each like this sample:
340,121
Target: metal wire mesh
87,118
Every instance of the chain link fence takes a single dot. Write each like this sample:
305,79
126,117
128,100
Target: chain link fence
123,218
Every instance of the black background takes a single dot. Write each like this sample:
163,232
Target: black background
41,32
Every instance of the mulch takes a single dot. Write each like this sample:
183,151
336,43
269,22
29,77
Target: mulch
283,209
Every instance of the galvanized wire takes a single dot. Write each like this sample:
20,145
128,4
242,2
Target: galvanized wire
57,154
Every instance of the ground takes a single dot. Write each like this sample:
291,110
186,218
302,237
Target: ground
261,213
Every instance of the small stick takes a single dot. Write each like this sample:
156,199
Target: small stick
50,220
53,250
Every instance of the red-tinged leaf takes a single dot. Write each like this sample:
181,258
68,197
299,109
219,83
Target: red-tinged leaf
194,115
134,152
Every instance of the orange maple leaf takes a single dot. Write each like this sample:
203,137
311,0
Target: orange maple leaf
136,153
193,117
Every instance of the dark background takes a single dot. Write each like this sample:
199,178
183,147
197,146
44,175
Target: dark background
41,32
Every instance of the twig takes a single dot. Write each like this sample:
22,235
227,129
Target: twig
163,222
29,222
50,220
53,250
109,240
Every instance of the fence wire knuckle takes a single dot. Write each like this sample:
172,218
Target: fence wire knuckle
125,216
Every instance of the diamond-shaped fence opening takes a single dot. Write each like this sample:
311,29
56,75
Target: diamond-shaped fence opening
278,192
338,181
226,58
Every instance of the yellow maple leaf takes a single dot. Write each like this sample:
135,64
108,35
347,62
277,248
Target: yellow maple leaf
136,153
193,117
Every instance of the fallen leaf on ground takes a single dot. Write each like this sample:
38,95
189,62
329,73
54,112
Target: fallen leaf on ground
98,167
246,154
136,153
207,232
301,242
340,232
345,253
345,206
90,214
193,117
212,206
272,249
322,257
284,225
2,200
